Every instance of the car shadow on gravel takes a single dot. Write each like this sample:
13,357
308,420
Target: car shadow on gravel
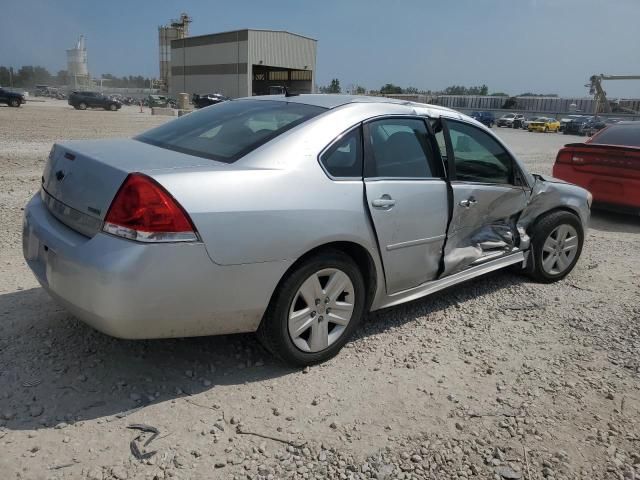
55,369
607,221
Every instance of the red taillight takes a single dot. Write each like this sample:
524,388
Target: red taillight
143,210
564,156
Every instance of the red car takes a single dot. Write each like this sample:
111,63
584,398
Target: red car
608,165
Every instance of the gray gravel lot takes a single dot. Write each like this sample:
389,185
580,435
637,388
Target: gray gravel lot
497,378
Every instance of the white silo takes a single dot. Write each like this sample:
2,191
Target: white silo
77,66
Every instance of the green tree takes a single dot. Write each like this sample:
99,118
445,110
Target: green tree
390,88
360,90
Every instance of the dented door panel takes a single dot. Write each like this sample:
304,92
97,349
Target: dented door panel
483,224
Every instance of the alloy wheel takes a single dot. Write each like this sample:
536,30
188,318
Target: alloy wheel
321,310
560,249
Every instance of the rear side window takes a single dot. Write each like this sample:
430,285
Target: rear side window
627,135
229,130
344,157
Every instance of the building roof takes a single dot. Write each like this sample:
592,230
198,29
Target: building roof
228,36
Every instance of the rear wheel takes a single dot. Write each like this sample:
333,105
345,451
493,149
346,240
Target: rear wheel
556,245
315,310
14,102
82,106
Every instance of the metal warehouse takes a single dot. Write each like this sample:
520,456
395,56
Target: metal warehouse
242,63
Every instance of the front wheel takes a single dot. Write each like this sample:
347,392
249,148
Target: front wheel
556,245
315,310
113,107
14,102
82,106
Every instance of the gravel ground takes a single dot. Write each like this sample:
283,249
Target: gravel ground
500,378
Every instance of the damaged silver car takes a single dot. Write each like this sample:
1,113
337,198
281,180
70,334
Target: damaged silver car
292,217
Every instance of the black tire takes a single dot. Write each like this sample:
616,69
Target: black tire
273,332
82,106
539,234
113,107
14,102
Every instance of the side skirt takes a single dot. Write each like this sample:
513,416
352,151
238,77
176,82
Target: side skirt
437,285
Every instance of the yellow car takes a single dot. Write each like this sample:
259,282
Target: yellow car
543,124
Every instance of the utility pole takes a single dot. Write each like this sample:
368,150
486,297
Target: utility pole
11,77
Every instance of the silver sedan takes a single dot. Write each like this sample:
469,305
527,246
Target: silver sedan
290,216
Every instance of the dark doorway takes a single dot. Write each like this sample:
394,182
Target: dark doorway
266,80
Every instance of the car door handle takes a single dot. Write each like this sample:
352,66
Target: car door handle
469,202
385,201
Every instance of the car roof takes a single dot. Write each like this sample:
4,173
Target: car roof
333,100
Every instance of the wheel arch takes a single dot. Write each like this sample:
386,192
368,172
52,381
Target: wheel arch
560,208
358,253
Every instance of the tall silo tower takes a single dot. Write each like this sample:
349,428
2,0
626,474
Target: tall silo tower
77,66
177,28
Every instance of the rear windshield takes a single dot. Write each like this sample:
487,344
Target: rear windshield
628,135
227,131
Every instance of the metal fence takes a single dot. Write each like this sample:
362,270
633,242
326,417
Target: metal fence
541,105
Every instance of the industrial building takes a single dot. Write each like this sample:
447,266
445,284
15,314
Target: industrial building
243,63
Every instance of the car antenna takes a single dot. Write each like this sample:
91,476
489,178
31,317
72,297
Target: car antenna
288,94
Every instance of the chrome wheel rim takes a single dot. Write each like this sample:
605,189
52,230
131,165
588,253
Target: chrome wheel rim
560,249
321,310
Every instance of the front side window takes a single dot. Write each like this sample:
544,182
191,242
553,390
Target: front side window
478,156
344,157
399,148
229,130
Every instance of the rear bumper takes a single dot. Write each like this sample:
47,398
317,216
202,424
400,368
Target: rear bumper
607,191
131,290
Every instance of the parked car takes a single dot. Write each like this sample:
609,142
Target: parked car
82,100
200,101
575,125
526,121
249,216
158,101
567,119
10,98
595,124
544,124
486,118
608,165
507,119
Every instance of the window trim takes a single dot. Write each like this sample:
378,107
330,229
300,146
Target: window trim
336,140
516,170
430,141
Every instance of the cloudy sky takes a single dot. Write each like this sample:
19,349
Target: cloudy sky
545,46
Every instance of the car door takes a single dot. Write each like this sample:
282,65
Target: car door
488,192
406,194
3,96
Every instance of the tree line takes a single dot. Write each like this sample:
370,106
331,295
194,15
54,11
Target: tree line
28,76
391,89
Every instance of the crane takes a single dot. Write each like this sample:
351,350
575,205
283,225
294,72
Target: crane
600,96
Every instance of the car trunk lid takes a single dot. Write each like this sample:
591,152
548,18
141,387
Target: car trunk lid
608,160
81,178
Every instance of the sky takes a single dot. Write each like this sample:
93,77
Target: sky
513,46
